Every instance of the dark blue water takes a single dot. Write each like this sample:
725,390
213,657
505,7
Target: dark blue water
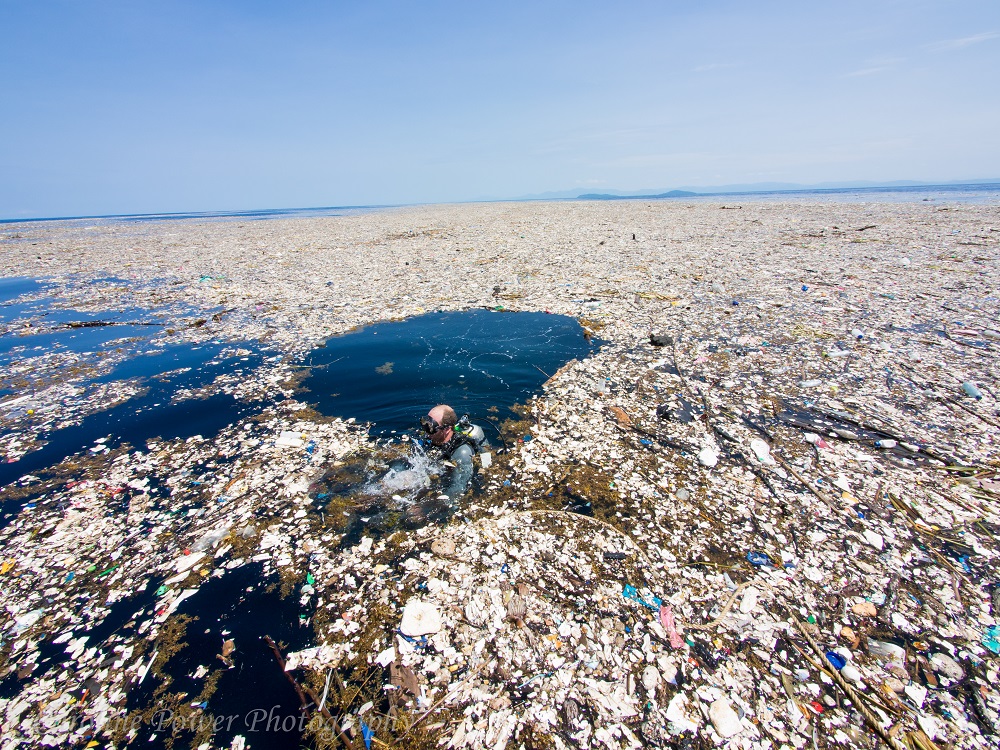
13,287
240,607
248,215
391,374
148,415
65,338
124,344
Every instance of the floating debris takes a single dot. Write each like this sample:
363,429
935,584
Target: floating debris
773,526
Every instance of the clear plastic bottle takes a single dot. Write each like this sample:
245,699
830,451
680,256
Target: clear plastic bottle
971,390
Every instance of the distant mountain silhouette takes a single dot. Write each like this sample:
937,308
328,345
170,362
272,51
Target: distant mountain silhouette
686,191
610,197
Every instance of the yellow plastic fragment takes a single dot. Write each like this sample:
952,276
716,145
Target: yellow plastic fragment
7,565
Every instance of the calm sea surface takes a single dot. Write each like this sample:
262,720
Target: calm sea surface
967,193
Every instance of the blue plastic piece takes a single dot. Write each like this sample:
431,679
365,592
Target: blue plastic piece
991,638
630,592
367,734
419,642
758,558
836,660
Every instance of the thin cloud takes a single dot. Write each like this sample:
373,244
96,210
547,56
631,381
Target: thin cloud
876,65
713,66
952,44
867,71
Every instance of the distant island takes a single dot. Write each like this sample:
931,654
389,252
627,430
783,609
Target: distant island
608,193
609,197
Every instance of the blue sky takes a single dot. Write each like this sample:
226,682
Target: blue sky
126,107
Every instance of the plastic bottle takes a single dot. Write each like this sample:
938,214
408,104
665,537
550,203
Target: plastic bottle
970,390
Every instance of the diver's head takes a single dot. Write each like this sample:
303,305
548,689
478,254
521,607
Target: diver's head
439,424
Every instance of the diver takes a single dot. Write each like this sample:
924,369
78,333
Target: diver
460,440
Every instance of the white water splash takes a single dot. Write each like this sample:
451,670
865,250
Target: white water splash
409,479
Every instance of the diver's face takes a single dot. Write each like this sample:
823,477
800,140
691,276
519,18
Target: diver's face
439,435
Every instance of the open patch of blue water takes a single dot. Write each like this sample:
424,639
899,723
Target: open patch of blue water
13,287
391,374
67,339
42,343
152,414
240,606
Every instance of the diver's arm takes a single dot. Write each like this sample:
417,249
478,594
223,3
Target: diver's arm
462,473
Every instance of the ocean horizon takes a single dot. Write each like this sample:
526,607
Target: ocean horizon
974,192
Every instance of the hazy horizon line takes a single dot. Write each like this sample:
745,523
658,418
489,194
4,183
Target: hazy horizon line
553,195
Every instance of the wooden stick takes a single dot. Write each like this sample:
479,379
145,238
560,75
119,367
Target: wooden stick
822,496
301,692
281,663
433,708
987,348
725,610
973,412
869,717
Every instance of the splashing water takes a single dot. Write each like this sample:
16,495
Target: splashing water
407,476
